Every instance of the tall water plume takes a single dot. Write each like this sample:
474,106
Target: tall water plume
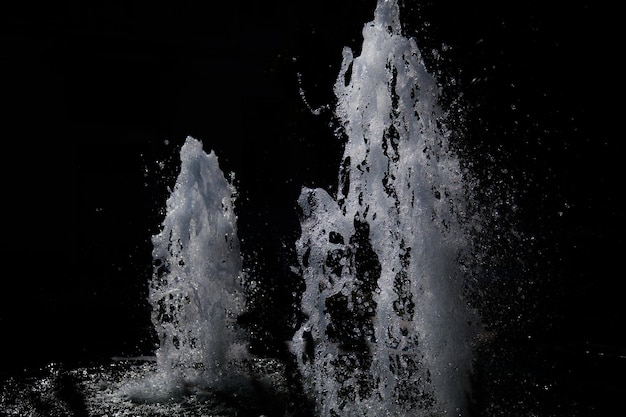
387,331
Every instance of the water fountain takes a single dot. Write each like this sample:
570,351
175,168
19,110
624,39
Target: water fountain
386,327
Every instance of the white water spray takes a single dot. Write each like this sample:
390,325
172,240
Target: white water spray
387,332
196,292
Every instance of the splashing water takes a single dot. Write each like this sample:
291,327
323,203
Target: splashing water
196,292
387,327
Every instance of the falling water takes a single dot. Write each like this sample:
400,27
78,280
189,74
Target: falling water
388,331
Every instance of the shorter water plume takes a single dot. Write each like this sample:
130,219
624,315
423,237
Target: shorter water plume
196,289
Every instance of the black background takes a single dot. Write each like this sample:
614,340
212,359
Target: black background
98,98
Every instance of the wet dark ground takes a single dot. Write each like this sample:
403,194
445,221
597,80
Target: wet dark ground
520,381
99,98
